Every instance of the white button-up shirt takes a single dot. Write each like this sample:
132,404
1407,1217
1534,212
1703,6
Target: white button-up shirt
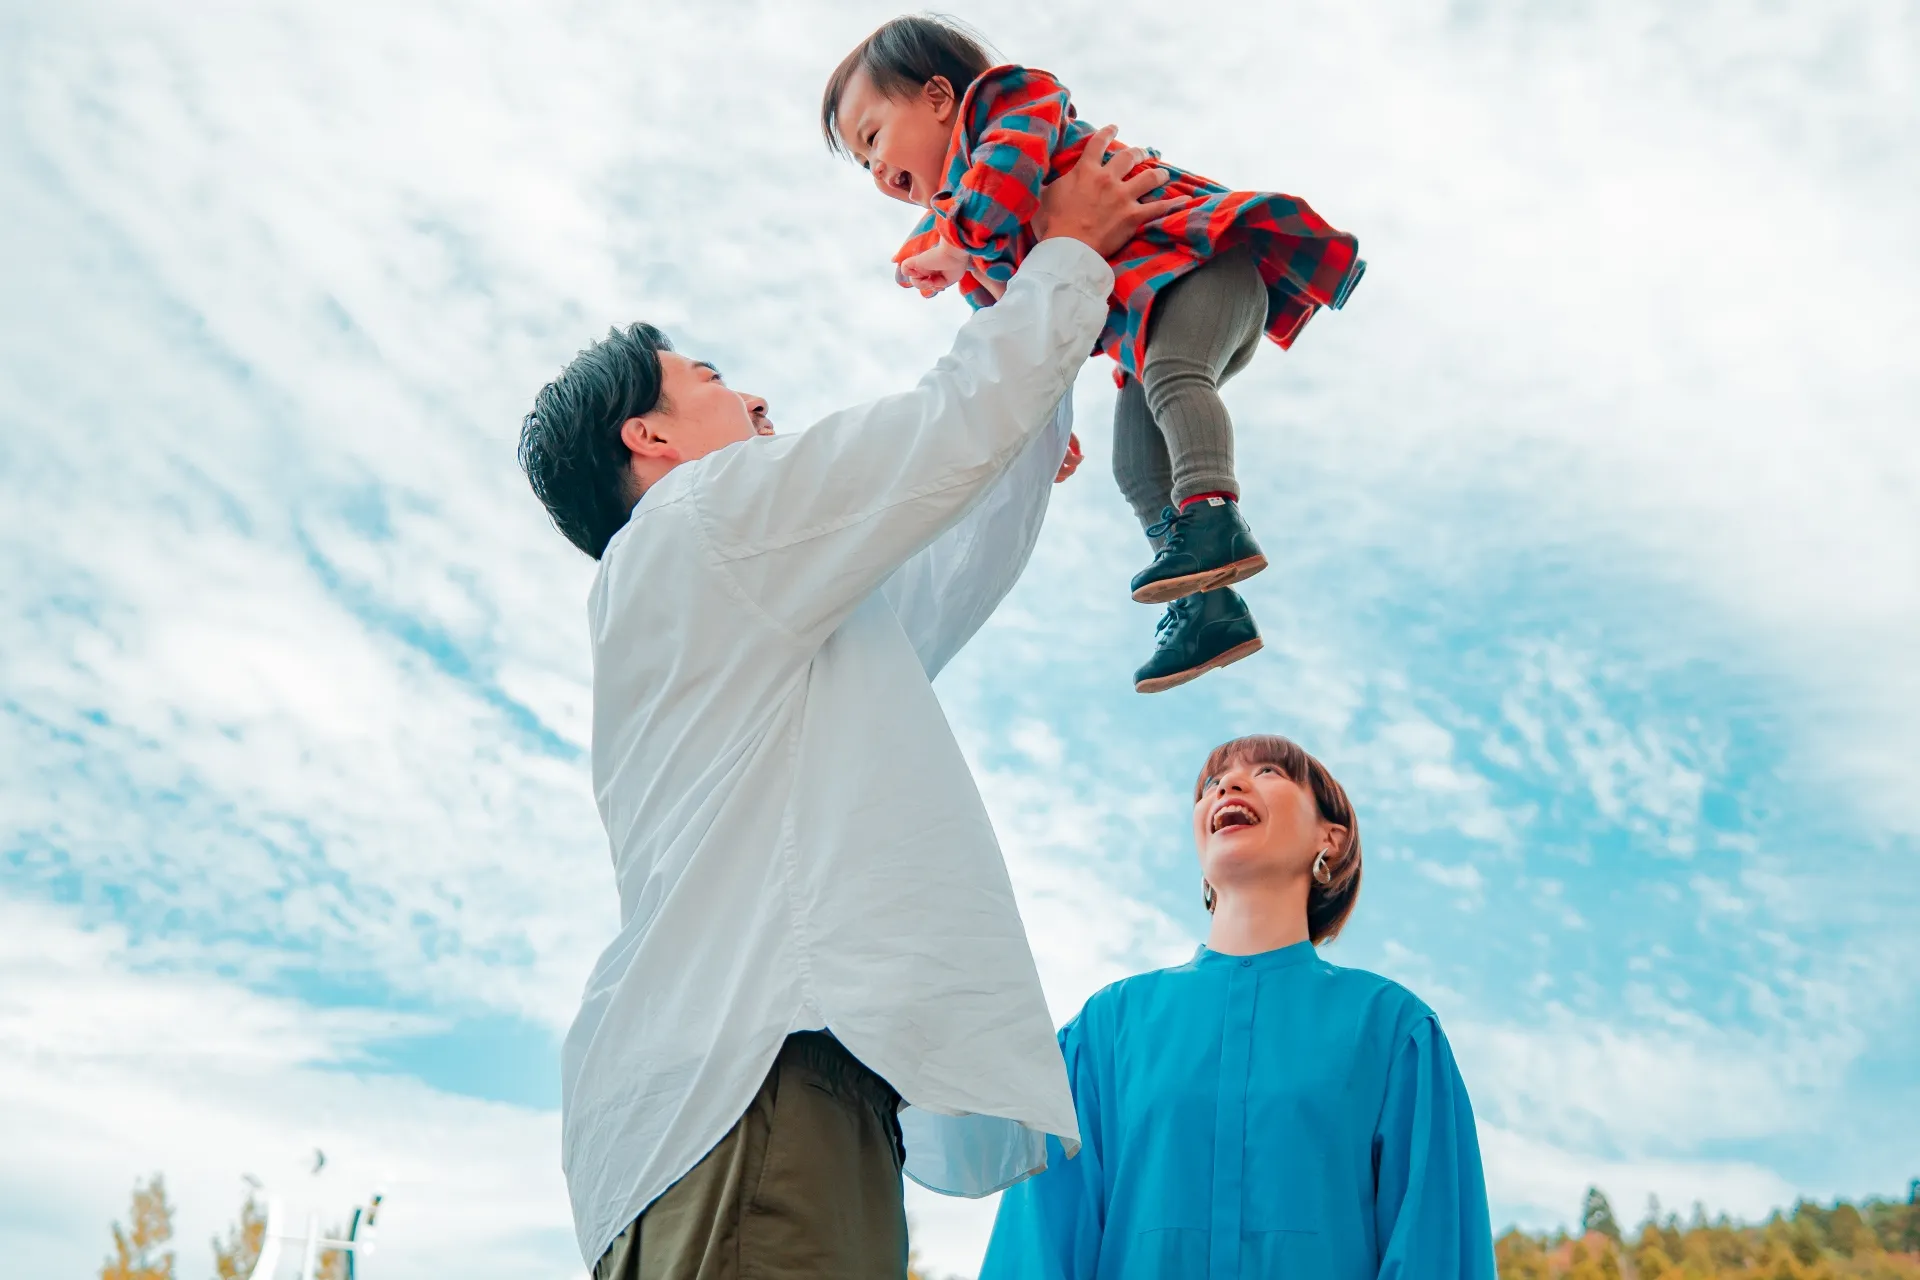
796,837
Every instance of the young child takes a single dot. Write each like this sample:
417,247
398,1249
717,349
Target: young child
921,106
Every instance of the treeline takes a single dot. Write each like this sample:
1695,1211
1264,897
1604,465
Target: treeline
141,1249
1873,1240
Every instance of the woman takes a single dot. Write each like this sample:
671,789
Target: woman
1258,1112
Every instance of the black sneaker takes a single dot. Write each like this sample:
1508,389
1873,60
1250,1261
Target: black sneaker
1198,634
1205,547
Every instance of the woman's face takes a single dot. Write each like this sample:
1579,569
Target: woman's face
1253,822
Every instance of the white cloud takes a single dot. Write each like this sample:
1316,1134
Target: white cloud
109,1074
1464,876
1539,1186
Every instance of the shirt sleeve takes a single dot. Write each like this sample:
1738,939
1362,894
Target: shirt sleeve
807,526
1430,1196
1049,1226
997,196
947,592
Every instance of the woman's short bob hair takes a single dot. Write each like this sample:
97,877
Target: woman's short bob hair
1328,905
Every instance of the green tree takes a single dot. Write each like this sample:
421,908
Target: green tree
137,1252
1597,1215
1650,1256
1849,1233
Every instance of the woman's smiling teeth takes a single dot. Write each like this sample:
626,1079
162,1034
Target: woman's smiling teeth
1232,814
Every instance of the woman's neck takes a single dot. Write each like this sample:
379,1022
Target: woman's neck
1250,919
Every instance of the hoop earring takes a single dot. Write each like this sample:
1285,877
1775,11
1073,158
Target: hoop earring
1321,876
1206,896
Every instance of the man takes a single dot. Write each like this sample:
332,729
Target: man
817,929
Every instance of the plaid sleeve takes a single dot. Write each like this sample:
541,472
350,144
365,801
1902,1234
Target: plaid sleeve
924,237
1021,120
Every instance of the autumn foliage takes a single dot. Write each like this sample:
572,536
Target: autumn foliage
137,1249
1875,1240
138,1252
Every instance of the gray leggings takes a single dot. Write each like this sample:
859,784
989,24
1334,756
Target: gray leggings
1172,437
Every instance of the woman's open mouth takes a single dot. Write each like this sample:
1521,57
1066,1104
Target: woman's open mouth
1232,814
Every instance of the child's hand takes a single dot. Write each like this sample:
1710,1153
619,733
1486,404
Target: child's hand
936,269
1070,463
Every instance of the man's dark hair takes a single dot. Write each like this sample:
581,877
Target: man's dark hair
902,56
570,444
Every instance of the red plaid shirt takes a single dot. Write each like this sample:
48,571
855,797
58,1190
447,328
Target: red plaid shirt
1017,130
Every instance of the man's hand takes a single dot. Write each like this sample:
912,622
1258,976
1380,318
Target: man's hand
1099,204
1070,463
935,269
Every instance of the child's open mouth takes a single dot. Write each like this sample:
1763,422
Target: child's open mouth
903,183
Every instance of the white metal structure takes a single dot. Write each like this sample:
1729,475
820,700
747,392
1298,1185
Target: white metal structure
357,1245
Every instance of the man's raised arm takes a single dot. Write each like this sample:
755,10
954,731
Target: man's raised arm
809,525
947,592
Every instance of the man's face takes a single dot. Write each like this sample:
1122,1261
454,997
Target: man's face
698,414
903,141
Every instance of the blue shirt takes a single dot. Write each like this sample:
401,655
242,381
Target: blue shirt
1253,1117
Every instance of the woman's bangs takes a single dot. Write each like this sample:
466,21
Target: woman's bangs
1260,748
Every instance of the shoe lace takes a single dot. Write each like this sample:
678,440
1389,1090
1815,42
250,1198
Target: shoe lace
1169,524
1162,630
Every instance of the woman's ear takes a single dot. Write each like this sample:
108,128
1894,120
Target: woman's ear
1336,839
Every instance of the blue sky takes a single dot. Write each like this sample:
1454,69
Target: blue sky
1593,519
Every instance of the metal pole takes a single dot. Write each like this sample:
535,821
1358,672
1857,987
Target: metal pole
313,1246
269,1260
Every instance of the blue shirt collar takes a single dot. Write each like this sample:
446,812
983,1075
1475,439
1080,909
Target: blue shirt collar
1298,953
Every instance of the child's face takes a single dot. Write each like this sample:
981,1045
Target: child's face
902,141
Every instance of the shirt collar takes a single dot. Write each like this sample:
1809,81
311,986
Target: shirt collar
1285,957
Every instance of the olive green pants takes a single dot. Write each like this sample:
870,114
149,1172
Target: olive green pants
805,1186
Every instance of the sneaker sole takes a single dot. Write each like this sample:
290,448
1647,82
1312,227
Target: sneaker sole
1167,590
1159,684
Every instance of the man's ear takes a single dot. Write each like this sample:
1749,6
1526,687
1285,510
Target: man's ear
643,440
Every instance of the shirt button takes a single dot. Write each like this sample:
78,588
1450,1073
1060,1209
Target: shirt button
1246,964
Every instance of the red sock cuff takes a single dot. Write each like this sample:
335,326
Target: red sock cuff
1202,497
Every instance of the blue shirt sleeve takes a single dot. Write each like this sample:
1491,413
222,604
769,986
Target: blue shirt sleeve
1430,1196
1049,1226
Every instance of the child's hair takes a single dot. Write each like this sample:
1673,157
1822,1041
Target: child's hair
1328,905
902,56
